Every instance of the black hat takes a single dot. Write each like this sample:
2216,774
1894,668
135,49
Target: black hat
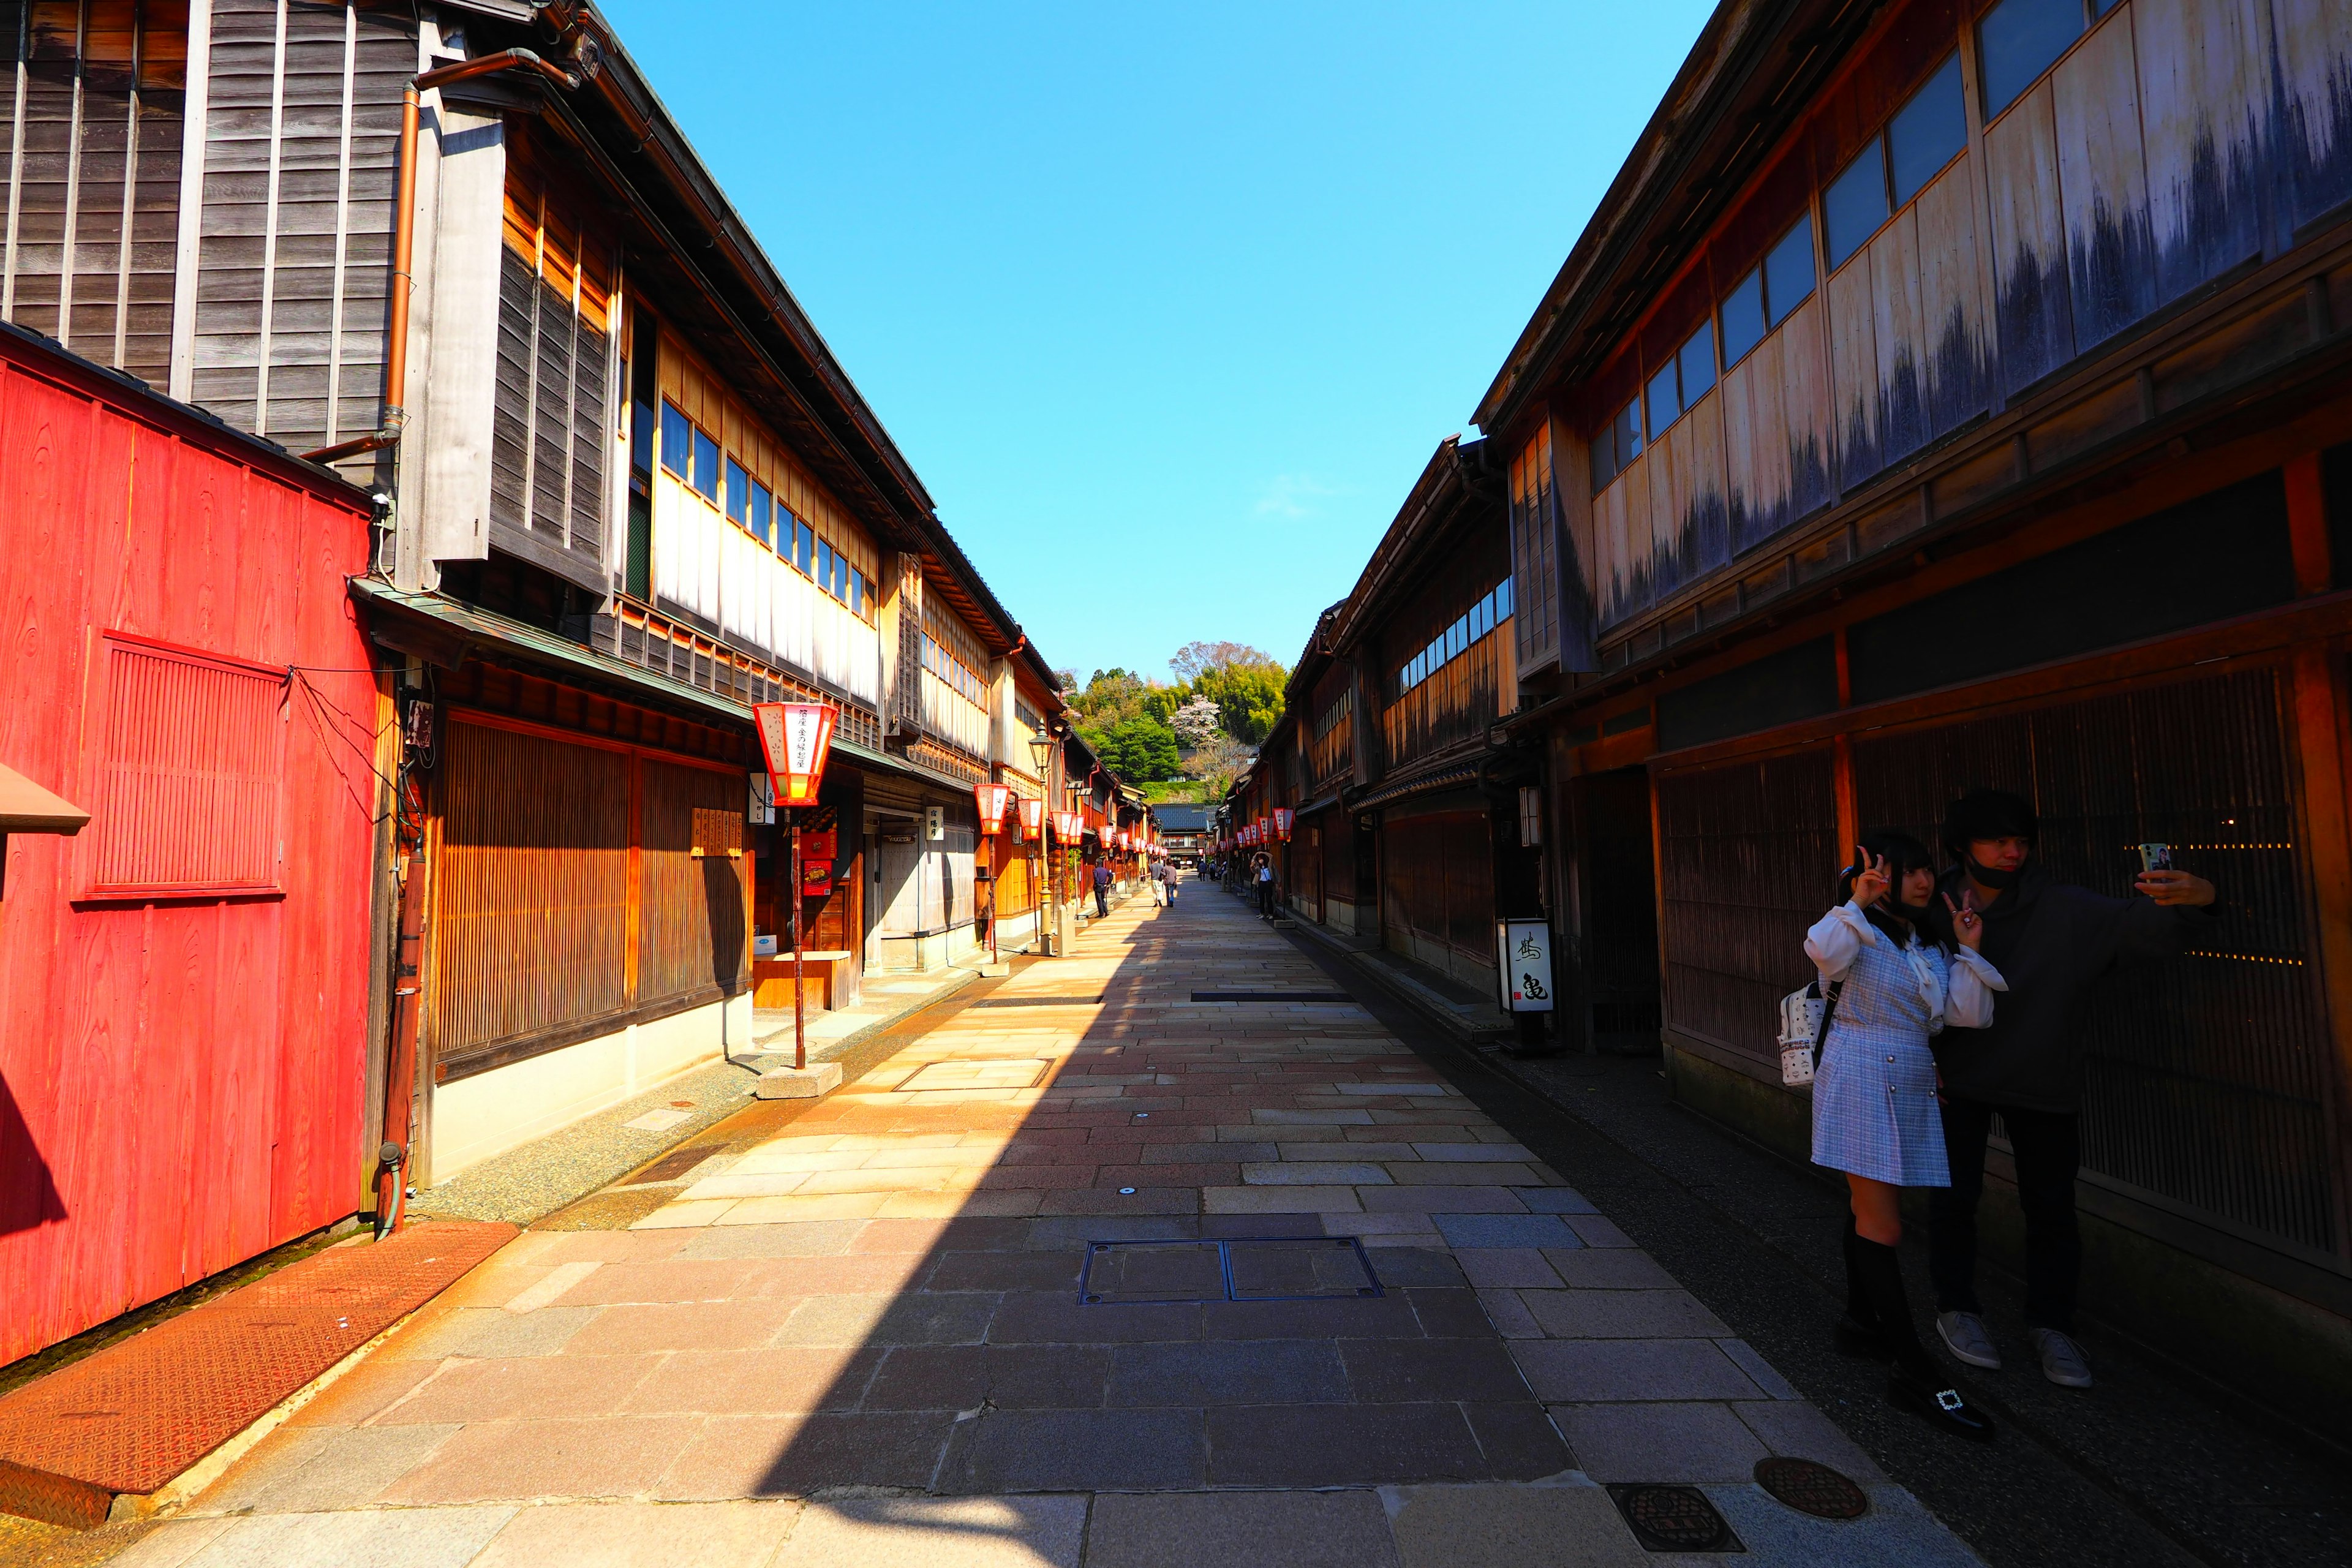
1988,813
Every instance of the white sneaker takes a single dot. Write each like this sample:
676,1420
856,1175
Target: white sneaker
2062,1358
1964,1335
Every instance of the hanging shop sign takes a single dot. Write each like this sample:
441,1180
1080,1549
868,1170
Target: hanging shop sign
1282,817
819,845
1523,967
797,738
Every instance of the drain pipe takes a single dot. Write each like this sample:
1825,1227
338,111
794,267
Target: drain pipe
403,239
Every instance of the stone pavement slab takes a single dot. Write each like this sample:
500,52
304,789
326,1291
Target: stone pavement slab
856,1334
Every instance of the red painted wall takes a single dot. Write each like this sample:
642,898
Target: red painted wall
181,1071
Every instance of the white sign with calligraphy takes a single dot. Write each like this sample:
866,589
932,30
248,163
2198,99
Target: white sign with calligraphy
1523,973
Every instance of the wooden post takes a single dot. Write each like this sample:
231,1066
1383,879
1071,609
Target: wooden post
800,999
2306,522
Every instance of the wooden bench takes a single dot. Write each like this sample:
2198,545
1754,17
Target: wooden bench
826,978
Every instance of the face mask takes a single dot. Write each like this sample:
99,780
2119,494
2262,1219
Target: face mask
1986,875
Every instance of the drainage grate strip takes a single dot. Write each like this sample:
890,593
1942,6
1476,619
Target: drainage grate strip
1241,1268
1674,1518
670,1167
1272,996
1038,1002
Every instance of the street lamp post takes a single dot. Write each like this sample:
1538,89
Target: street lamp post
1041,747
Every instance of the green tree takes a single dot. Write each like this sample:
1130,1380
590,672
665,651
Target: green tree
1248,698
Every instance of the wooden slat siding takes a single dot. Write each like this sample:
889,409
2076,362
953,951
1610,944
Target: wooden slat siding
1746,857
2032,296
294,247
1808,403
2314,59
1704,531
147,1046
1958,357
1535,546
1437,899
1899,337
530,889
2103,183
93,95
188,799
1330,740
1853,369
2208,1076
1456,703
694,934
2206,99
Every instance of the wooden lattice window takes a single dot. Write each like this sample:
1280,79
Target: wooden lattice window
190,774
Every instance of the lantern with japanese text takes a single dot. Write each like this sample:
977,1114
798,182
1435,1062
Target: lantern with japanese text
992,799
797,738
1033,818
1282,816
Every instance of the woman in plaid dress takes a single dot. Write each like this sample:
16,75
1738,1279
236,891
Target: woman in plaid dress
1902,970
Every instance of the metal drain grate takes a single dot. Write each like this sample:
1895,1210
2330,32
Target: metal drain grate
1674,1518
1244,1269
1810,1487
1272,996
670,1167
1037,1002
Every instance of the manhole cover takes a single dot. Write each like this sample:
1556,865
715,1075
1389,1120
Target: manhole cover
1254,1268
1272,996
1674,1518
1811,1488
671,1167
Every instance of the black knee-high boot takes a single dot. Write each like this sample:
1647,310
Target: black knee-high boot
1915,1382
1857,1332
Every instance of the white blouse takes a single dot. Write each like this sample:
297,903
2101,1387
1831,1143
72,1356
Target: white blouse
1840,935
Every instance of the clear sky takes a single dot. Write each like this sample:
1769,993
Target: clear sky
1167,305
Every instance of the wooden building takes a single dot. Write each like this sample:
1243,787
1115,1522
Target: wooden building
1946,393
186,984
625,492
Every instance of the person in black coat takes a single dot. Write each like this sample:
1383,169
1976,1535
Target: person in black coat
2052,942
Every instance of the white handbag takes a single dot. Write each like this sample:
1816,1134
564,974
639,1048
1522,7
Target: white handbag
1803,1016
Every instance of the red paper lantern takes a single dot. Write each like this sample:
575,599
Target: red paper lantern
1282,817
1032,817
992,799
797,738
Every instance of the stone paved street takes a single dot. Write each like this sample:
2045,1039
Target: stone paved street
854,1332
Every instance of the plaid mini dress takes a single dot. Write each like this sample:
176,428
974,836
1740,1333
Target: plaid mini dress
1874,1110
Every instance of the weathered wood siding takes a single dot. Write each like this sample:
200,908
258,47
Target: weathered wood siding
293,268
2173,142
91,134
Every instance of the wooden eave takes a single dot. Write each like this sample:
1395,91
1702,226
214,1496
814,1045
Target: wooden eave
27,807
1756,70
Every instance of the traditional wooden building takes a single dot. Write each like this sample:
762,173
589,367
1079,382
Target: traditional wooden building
1946,394
625,492
186,984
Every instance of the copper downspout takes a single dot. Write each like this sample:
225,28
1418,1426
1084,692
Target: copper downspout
404,240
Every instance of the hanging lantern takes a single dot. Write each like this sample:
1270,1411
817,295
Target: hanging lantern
1282,816
1032,817
797,738
992,799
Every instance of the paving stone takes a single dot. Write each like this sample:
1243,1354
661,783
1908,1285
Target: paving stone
938,1532
1557,1200
960,1378
1001,1271
513,1388
490,1331
642,1535
1800,1432
1576,1371
1229,1371
1311,1173
1279,1200
1400,1370
774,1381
796,1456
1406,1265
1509,1315
1896,1529
1623,1314
1339,1317
810,1238
909,1317
694,1326
395,1538
301,1470
1594,1231
1239,1529
1056,1318
1519,1439
1684,1442
1488,1267
1080,1450
1484,1230
1745,1356
612,1455
1450,1173
1450,1313
1443,1200
1512,1527
1341,1445
1608,1269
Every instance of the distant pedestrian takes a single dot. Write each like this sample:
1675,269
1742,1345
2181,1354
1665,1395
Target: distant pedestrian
1171,874
1261,873
1102,889
2053,941
1158,881
1896,969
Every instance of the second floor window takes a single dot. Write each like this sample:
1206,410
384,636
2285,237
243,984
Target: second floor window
1774,287
1470,628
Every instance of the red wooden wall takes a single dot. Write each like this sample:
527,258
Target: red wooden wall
181,1065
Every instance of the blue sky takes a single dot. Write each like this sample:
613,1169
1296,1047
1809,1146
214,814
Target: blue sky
1169,306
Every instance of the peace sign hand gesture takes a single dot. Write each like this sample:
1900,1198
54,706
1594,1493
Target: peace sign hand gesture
1967,924
1869,883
